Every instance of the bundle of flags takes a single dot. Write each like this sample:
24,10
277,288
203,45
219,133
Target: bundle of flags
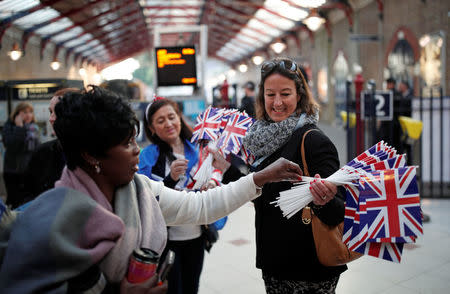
226,128
382,207
223,129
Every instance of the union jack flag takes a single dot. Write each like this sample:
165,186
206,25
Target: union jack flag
387,251
351,217
246,156
396,162
231,137
208,125
389,204
368,153
226,114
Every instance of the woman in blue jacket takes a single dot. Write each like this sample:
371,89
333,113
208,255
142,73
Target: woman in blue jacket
173,159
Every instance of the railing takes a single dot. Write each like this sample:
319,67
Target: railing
430,152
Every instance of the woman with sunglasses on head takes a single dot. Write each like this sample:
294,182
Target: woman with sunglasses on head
173,159
285,251
79,236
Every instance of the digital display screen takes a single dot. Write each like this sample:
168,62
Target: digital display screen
175,66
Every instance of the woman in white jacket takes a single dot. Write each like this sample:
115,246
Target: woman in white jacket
80,235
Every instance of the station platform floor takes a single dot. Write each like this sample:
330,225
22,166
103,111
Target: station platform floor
424,267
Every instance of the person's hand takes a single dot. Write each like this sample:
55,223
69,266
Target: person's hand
19,119
322,191
280,170
219,162
149,286
209,185
178,168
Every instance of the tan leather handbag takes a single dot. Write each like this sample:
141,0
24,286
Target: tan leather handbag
330,249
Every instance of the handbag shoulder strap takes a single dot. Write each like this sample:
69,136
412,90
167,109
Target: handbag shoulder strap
307,213
302,150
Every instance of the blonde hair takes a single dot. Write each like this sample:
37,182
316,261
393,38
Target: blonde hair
22,106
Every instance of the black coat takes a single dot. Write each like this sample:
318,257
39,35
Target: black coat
248,105
18,147
44,169
285,247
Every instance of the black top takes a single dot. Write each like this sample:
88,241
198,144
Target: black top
17,153
248,105
285,247
45,168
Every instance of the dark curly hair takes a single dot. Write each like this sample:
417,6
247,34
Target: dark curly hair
186,130
282,66
92,121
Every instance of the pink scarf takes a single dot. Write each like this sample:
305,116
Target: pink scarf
138,209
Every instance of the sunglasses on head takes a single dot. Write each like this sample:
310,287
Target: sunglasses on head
268,66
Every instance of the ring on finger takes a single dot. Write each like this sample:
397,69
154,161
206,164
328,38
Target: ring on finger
324,197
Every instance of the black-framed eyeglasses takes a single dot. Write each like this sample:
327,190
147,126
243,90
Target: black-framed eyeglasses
268,66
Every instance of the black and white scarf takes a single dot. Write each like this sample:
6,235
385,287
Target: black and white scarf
265,137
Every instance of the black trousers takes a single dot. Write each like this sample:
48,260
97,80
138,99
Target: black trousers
184,277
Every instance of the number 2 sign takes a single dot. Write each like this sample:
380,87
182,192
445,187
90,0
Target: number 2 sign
383,102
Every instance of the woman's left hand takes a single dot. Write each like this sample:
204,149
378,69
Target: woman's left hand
322,191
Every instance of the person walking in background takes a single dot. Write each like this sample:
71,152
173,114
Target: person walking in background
248,101
20,137
47,161
285,250
402,107
85,230
173,159
386,130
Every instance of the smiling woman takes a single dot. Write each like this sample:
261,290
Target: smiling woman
286,110
86,229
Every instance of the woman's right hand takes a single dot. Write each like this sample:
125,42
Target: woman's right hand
178,168
280,170
19,119
149,286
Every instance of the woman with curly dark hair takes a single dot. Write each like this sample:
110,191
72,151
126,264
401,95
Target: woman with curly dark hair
80,235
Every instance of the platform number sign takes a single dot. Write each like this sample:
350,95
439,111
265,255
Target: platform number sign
383,102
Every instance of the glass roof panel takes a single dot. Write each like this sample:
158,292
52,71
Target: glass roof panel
55,27
67,35
100,49
9,8
239,44
254,23
167,3
78,41
88,45
181,12
235,48
249,40
279,22
286,10
172,20
261,37
36,18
